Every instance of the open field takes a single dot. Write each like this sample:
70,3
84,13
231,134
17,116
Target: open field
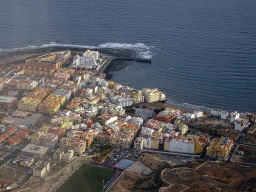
215,127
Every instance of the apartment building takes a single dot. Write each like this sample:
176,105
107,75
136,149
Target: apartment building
66,116
183,128
56,130
2,82
7,102
7,133
48,72
241,124
59,98
48,140
94,54
40,93
43,63
76,103
234,116
69,86
219,147
182,145
49,107
29,104
63,155
63,92
78,145
68,71
21,84
34,150
153,95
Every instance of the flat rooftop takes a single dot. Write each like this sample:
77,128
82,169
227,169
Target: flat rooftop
35,149
4,99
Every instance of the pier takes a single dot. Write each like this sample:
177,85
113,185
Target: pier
110,59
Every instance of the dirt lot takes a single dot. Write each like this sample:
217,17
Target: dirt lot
249,138
249,154
12,173
6,61
215,127
153,161
129,181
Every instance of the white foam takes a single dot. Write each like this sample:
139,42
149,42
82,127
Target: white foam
188,106
141,50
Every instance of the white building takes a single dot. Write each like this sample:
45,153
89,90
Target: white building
112,119
113,126
179,145
85,62
138,143
216,112
198,114
94,54
168,126
153,95
124,102
65,155
224,115
146,143
117,110
63,92
241,124
186,116
135,120
234,116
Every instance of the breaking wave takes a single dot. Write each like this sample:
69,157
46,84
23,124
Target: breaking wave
139,50
187,106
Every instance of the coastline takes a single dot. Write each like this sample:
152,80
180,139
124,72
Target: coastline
8,58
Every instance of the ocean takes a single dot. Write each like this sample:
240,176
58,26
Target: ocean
203,52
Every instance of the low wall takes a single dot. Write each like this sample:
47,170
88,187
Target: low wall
116,181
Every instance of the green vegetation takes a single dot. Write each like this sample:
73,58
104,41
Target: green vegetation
103,152
87,179
130,110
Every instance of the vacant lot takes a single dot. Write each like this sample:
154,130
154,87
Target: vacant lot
11,173
248,156
249,138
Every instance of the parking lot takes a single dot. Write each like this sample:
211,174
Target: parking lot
32,119
120,154
176,160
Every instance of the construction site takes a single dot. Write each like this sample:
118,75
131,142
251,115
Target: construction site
215,127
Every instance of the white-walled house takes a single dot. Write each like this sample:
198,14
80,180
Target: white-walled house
135,120
147,143
216,112
234,116
198,114
124,102
111,120
241,124
224,115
